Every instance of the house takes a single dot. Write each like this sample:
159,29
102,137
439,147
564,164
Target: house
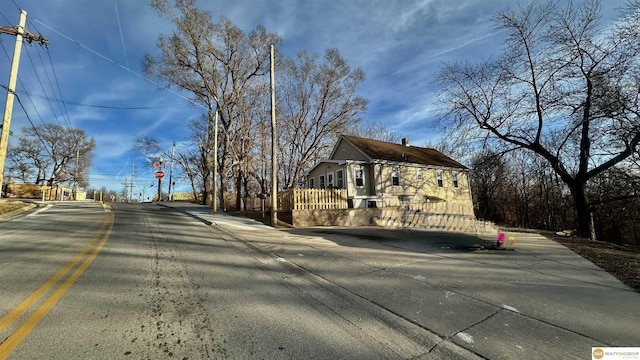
381,174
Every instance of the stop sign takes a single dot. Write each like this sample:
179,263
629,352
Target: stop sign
159,174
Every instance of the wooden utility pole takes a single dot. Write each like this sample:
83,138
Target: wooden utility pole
20,33
75,175
214,198
124,192
274,141
133,173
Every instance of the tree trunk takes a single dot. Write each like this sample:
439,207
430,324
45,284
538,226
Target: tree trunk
239,189
223,173
583,212
206,183
206,196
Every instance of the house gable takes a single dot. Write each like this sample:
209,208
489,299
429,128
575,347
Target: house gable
345,150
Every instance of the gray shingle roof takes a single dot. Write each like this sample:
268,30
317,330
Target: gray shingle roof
381,150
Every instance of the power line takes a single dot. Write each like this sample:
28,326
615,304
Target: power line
56,94
120,65
34,127
16,4
5,18
42,86
55,76
160,107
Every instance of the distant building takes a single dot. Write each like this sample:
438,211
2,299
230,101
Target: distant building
44,192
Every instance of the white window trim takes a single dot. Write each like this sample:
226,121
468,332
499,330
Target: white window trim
396,170
355,177
440,178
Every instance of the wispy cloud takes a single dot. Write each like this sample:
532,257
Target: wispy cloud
97,49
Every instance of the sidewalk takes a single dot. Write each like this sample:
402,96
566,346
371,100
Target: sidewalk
540,300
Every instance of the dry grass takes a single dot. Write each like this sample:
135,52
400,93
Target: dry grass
7,206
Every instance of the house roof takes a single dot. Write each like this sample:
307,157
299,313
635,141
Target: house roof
381,150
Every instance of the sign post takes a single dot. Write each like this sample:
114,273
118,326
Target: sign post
159,174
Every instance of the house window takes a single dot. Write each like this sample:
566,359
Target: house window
339,179
419,173
359,176
322,186
395,176
439,178
455,180
330,180
311,183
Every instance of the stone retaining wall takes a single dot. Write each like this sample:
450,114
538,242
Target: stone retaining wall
391,217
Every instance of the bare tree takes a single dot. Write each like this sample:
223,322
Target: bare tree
26,163
617,220
217,63
51,151
489,184
316,102
373,130
187,160
107,195
565,89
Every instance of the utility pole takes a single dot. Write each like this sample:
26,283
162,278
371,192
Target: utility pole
20,33
214,199
132,175
173,149
274,140
75,175
124,192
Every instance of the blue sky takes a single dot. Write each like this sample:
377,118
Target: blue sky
96,47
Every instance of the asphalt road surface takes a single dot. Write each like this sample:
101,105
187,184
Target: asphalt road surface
141,281
175,281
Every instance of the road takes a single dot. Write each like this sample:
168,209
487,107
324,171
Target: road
174,280
140,281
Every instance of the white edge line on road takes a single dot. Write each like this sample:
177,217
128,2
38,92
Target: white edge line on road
40,210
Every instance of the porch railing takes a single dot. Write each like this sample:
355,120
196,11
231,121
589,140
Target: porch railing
306,199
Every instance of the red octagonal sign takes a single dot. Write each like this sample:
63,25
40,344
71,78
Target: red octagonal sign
159,174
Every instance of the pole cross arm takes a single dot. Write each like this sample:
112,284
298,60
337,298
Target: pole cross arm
28,35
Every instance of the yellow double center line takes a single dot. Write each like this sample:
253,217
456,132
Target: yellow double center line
100,238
